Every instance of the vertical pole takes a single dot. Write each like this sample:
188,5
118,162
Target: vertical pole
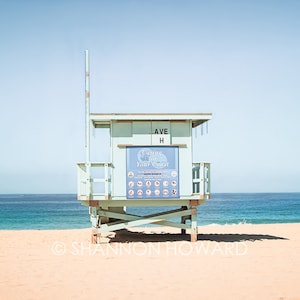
183,220
87,124
106,191
194,229
202,180
208,180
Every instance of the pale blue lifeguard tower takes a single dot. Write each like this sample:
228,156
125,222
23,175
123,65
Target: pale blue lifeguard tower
150,164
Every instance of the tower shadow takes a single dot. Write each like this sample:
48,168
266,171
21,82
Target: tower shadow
125,236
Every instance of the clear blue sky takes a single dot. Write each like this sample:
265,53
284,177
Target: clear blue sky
239,60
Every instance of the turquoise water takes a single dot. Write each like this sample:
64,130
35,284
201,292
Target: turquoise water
63,211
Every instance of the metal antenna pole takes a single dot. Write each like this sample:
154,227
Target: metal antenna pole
87,121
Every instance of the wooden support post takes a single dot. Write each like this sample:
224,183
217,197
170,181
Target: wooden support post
95,236
95,220
194,229
183,220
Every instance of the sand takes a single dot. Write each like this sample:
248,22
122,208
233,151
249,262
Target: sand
227,262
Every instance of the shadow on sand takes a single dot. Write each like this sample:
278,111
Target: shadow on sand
125,236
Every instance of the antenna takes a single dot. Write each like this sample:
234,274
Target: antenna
87,120
87,105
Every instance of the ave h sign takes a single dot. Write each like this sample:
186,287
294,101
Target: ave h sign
161,133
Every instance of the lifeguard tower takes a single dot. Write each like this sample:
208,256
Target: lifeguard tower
151,165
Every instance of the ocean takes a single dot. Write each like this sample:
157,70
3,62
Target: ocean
64,211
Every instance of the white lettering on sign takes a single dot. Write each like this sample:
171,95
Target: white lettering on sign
161,131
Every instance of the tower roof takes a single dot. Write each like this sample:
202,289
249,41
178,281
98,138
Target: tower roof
104,119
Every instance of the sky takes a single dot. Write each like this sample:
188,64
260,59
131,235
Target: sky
236,59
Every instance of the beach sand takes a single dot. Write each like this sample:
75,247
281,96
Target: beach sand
227,262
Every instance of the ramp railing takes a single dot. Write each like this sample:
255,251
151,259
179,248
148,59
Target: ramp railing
201,179
99,183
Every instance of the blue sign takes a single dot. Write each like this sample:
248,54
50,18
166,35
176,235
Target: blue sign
152,172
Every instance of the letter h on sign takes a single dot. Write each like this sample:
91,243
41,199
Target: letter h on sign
161,133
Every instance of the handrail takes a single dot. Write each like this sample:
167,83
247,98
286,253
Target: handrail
100,172
99,183
201,179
